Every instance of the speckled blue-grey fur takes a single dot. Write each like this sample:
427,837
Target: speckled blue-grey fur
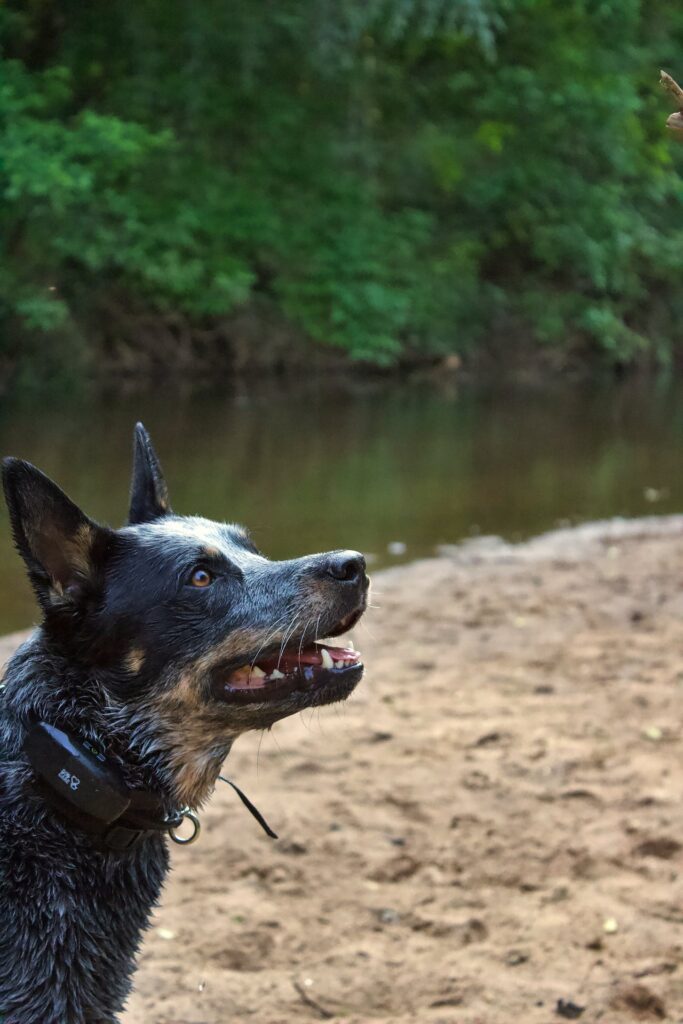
129,655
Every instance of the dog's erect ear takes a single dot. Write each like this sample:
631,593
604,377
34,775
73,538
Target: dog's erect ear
148,492
61,546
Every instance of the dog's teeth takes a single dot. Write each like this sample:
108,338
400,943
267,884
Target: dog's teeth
258,672
339,664
350,645
326,658
276,674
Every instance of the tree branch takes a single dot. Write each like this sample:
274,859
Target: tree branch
675,121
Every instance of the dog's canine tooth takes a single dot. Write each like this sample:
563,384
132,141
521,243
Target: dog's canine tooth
276,674
258,672
326,658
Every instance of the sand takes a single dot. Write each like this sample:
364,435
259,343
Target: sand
487,832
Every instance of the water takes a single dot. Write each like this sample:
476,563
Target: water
318,467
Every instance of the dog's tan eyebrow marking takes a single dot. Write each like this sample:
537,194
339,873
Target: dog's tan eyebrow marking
135,659
212,552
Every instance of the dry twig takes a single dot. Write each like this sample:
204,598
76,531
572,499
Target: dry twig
314,1005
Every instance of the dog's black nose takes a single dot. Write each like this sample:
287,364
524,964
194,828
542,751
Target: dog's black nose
348,566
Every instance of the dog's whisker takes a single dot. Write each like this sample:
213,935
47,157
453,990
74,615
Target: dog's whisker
303,634
273,633
258,752
289,632
285,639
275,740
363,625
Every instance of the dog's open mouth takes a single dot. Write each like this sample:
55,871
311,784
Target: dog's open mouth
313,669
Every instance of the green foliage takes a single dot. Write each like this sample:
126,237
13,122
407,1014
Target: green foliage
394,176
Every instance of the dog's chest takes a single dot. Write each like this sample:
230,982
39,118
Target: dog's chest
81,912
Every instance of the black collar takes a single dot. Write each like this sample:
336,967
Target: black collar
144,817
77,780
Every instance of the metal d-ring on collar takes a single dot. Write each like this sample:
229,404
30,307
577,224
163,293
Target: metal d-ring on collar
184,813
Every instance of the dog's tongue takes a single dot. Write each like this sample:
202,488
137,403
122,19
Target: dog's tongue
312,655
307,660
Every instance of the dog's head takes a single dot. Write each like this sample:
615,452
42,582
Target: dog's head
193,633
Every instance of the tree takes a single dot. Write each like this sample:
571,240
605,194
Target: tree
391,177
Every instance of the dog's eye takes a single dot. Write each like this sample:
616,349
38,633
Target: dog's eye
201,578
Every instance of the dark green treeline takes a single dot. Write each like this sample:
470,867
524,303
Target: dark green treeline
391,177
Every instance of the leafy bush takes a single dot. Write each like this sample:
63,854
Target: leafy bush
395,176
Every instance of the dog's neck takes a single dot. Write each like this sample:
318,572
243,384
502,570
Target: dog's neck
157,745
56,883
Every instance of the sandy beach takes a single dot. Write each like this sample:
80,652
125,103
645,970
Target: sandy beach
488,832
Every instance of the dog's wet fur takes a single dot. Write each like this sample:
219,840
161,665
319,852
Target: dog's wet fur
132,654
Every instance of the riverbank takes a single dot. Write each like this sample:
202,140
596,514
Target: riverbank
490,825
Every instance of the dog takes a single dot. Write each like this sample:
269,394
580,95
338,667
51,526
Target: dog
160,643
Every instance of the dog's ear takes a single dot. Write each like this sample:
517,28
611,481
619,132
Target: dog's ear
148,492
61,546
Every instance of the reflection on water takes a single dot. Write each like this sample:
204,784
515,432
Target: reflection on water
391,466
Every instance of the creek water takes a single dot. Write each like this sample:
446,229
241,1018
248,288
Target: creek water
391,469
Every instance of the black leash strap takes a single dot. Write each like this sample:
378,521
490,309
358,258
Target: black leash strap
250,807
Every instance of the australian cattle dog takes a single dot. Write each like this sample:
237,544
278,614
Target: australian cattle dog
159,644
